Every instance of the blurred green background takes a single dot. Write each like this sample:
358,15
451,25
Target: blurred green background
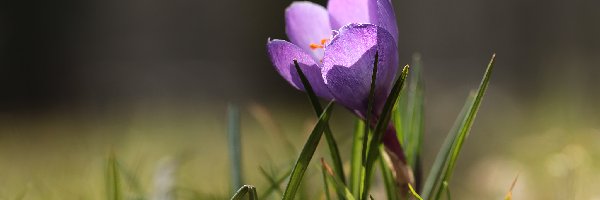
150,81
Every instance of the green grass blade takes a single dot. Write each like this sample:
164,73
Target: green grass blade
306,154
339,186
435,174
382,124
413,192
356,158
510,191
131,180
331,143
446,189
413,137
234,145
325,182
273,183
253,194
371,99
113,182
388,177
446,159
466,127
246,189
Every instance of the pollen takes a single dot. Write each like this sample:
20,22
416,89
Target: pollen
315,46
323,41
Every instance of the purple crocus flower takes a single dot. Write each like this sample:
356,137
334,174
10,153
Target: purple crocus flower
336,47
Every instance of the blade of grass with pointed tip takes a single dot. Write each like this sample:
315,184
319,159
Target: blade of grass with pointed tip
325,183
380,127
465,129
512,186
306,154
331,143
388,177
113,184
339,186
365,140
246,189
446,188
413,137
356,158
446,159
435,174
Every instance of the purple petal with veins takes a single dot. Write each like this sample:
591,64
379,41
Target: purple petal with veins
348,65
307,23
343,12
284,53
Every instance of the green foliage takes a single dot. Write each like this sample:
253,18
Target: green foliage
413,112
274,182
306,154
363,184
446,159
113,180
388,178
413,192
339,185
356,157
246,189
235,147
332,144
380,127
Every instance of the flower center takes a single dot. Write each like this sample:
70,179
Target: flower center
314,46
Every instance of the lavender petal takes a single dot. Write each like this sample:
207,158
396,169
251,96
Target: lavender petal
306,23
284,53
348,65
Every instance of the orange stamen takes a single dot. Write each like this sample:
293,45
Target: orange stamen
323,41
314,46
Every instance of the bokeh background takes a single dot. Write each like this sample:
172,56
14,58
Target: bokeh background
150,80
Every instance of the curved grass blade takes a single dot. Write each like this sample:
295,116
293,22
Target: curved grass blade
339,186
306,154
246,189
331,143
446,158
382,124
412,191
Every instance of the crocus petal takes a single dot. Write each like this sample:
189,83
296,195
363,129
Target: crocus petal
284,53
386,17
344,12
307,23
378,12
348,65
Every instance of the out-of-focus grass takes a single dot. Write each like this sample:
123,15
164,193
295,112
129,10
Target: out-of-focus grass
63,155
